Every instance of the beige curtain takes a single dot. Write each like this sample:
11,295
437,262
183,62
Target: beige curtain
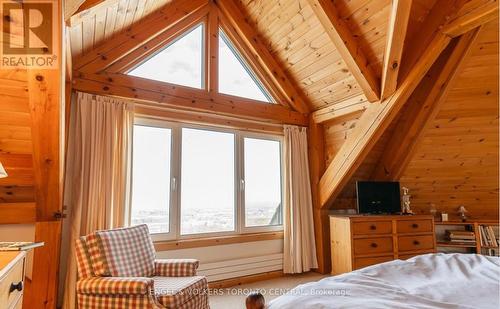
97,173
299,248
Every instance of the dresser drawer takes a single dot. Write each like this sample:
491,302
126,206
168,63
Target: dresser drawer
414,243
373,245
414,226
373,227
367,261
13,276
408,256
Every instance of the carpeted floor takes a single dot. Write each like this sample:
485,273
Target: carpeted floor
234,297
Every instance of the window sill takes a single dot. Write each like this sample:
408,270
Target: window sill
215,241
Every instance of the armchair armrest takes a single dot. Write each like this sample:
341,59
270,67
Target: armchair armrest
115,285
176,267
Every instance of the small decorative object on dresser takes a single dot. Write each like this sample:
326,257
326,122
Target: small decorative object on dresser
406,202
358,241
462,213
11,279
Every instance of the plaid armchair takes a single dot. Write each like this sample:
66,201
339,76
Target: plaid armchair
106,271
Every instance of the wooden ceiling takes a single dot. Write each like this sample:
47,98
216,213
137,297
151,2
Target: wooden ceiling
291,30
295,35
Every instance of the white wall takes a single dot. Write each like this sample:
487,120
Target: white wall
20,232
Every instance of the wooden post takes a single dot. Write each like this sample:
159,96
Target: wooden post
317,165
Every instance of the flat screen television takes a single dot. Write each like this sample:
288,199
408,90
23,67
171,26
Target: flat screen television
378,197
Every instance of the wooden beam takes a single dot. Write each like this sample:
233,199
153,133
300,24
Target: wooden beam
44,281
316,151
16,213
346,107
47,121
212,48
164,94
201,118
415,46
396,33
371,126
423,106
479,15
134,36
348,47
262,55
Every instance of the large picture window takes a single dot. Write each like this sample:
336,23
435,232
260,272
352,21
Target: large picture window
190,181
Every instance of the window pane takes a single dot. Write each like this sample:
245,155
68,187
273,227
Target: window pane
151,178
235,77
180,63
262,182
207,186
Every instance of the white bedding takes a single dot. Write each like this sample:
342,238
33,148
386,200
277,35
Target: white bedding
425,281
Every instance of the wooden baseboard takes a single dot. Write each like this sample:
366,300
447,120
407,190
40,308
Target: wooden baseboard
221,284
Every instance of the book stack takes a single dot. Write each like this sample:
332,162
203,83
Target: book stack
461,237
488,238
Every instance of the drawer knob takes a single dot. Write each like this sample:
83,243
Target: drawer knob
373,227
16,286
414,225
416,242
374,245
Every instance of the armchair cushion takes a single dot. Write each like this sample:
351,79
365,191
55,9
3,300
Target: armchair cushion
173,292
115,285
123,252
176,267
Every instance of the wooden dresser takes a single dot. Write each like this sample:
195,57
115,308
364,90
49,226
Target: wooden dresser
358,241
11,279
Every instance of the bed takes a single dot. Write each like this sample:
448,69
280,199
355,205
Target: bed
425,281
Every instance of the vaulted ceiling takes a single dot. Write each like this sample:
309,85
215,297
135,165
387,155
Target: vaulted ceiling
300,39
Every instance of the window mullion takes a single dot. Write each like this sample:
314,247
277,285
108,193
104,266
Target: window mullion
176,174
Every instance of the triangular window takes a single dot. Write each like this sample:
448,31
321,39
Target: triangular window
180,62
235,76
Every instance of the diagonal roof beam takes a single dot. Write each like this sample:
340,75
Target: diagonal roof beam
423,107
396,33
371,125
348,47
477,16
262,55
377,118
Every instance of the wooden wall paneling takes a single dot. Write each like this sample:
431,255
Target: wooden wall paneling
348,47
262,55
320,216
456,162
396,34
125,42
423,106
140,89
371,126
339,109
17,213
